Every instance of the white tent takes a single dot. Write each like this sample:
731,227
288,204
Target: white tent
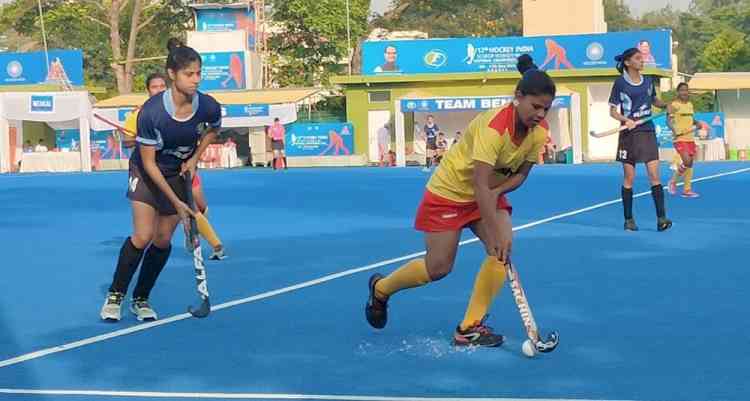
57,109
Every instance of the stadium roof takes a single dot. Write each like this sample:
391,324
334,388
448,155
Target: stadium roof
720,81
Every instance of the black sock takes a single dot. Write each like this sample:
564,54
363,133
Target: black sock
286,166
657,192
153,263
429,162
627,202
274,163
127,264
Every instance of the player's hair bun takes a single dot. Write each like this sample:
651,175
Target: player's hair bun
173,43
533,80
525,63
620,58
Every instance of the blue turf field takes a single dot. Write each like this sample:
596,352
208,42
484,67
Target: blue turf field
642,316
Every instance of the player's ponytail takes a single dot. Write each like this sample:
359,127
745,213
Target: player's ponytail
180,56
533,80
625,56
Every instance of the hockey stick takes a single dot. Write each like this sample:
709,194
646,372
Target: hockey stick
117,129
532,331
686,131
115,125
624,127
200,269
65,81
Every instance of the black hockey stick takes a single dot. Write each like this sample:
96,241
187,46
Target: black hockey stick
200,269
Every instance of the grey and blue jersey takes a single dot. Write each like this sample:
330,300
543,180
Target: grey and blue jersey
175,140
633,100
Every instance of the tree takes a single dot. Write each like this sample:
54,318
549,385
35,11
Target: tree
726,51
693,33
99,28
450,18
706,6
714,21
666,17
313,40
705,33
137,15
618,16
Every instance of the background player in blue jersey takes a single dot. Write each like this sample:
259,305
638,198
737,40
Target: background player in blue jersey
632,98
431,130
174,128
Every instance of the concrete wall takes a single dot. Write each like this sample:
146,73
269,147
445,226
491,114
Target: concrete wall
563,17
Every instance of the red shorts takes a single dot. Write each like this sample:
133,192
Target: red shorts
437,214
686,147
196,180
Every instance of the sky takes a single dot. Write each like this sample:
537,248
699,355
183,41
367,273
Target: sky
638,7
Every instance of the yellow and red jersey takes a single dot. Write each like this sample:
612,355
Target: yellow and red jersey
682,121
131,123
490,138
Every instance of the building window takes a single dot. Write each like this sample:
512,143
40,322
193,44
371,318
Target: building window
379,97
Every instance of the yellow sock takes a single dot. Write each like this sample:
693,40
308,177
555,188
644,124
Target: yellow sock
688,179
677,162
204,227
676,176
412,274
489,280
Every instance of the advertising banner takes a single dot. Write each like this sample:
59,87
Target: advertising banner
228,19
29,68
466,103
223,71
500,54
319,139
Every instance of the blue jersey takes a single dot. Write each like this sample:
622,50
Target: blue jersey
431,132
175,140
634,100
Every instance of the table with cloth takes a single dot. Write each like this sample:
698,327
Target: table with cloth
51,162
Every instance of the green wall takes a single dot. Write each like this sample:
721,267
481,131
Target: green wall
34,131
